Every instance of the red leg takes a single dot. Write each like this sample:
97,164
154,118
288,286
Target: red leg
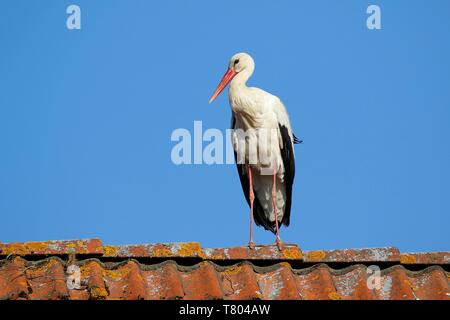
251,244
274,198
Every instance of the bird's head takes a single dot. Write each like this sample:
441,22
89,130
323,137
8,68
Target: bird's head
240,63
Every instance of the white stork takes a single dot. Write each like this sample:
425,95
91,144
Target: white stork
267,183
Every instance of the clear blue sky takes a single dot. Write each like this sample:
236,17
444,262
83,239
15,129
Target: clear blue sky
86,118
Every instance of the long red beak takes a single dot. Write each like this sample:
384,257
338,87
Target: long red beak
227,77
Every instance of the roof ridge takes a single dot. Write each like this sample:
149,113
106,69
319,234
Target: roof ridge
108,265
194,251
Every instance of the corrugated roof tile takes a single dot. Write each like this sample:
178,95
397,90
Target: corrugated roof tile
128,272
430,284
240,282
202,282
47,280
13,282
92,277
278,284
400,288
316,283
352,284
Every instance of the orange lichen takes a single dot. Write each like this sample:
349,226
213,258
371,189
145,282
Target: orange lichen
110,251
407,259
334,296
24,248
79,243
259,296
84,271
116,274
232,270
86,268
293,253
190,249
36,246
410,284
162,252
39,271
48,247
317,255
52,262
98,293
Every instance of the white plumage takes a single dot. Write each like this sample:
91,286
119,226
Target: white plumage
265,122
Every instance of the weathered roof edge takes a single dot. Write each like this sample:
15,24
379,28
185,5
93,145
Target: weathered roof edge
95,248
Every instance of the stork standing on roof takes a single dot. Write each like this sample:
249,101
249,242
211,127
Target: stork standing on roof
265,161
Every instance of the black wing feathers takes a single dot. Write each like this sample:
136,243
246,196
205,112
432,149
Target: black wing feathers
287,154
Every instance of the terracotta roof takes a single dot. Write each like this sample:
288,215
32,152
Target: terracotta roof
46,270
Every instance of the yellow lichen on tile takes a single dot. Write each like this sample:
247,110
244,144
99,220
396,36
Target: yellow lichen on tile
116,274
233,270
334,296
162,252
218,257
190,249
24,248
407,259
317,255
98,293
110,251
293,253
410,284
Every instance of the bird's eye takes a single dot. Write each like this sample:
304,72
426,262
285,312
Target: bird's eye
236,61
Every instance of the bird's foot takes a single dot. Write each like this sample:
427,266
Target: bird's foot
283,245
280,244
